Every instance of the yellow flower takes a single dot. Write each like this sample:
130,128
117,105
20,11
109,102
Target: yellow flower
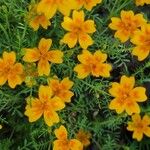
87,4
141,39
142,2
49,7
78,30
1,126
92,64
63,143
126,96
43,56
62,89
45,105
127,25
9,70
139,126
83,137
36,19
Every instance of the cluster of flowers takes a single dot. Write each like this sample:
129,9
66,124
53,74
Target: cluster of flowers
53,96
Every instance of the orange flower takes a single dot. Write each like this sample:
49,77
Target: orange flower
49,7
9,70
45,105
139,126
63,143
43,56
126,96
78,30
141,39
127,25
83,137
62,89
142,2
35,19
92,64
87,4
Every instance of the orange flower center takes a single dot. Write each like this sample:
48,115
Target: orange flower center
139,125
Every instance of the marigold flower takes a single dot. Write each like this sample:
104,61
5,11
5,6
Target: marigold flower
87,4
45,105
36,19
92,64
62,88
43,56
126,96
141,39
139,126
9,70
78,30
83,137
127,25
63,143
49,7
141,2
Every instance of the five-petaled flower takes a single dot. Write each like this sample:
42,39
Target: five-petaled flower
141,39
92,64
127,25
35,19
126,96
9,70
141,2
45,105
43,56
62,88
63,143
78,30
139,126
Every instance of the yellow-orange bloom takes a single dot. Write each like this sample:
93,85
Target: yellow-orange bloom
83,137
141,2
139,126
78,30
63,143
50,7
43,56
87,4
92,64
127,25
45,105
62,88
9,70
141,39
126,96
36,19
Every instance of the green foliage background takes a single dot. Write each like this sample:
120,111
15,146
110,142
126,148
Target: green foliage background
89,107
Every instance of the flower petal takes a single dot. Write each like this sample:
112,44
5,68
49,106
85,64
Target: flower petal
9,57
89,26
14,80
43,67
67,24
115,89
75,145
137,135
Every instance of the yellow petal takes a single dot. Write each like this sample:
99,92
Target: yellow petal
34,24
136,118
66,83
85,40
138,94
43,67
137,135
3,79
82,70
31,55
75,145
100,57
126,15
14,80
116,22
55,56
115,89
67,24
147,131
18,68
90,4
44,21
78,16
130,126
61,133
9,57
65,95
59,145
146,120
89,26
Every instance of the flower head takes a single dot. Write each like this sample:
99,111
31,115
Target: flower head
50,7
83,137
126,96
43,56
78,30
141,2
63,143
92,64
45,105
139,126
87,4
127,25
9,70
141,39
36,19
61,89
